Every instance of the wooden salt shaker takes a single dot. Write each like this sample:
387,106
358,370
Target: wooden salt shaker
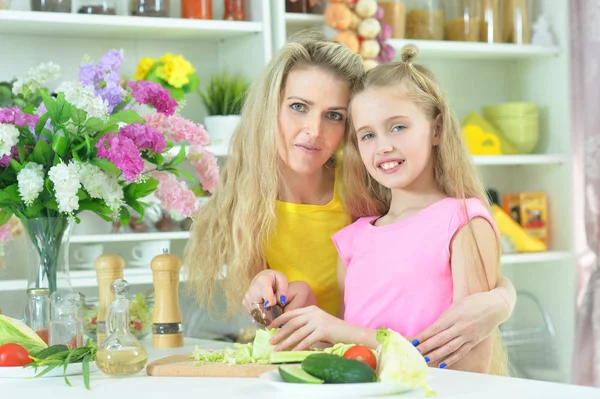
109,267
166,319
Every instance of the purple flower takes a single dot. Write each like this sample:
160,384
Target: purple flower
41,111
123,152
104,77
17,117
144,137
151,93
5,161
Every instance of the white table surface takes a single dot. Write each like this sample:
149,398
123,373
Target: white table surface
447,383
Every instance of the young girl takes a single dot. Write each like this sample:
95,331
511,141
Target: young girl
433,240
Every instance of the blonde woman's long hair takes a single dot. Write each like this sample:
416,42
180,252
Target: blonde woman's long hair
231,228
454,173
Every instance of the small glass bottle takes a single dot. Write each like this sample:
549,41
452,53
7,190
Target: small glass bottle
394,14
491,21
463,20
150,8
196,9
121,353
37,311
234,10
424,20
51,5
66,327
516,22
103,7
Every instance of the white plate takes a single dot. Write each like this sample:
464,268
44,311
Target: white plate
339,390
29,372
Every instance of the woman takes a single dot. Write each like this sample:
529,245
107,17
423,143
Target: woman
271,218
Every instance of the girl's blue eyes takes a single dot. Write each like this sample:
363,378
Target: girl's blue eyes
334,116
369,136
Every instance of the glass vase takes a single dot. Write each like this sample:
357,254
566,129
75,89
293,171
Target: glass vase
48,247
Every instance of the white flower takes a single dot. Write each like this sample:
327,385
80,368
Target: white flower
30,182
9,136
66,184
36,78
83,97
100,184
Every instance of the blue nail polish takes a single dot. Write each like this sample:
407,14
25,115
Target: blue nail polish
426,359
281,326
415,342
266,304
282,299
442,365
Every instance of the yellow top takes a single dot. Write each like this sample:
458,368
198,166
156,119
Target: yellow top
302,249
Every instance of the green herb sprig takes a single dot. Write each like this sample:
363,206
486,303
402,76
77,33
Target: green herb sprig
61,356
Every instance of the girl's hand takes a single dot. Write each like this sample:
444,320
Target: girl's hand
268,286
306,326
460,328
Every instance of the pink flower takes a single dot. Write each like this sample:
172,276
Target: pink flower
14,153
178,129
17,117
144,137
123,152
205,164
5,235
174,194
152,93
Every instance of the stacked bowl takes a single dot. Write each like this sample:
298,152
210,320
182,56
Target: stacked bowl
517,121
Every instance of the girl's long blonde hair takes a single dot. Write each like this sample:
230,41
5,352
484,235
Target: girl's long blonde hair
454,173
231,228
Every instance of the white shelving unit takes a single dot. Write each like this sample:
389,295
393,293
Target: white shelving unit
473,75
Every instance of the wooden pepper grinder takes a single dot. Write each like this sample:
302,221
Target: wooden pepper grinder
166,320
109,267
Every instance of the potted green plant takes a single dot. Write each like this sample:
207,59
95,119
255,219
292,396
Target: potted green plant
223,97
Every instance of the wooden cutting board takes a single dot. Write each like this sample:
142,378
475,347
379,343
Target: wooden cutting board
183,366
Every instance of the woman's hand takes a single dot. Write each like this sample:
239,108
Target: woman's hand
268,286
461,327
306,326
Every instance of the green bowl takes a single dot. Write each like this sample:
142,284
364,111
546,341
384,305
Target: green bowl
523,134
510,109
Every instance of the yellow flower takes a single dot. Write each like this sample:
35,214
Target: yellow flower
175,70
144,67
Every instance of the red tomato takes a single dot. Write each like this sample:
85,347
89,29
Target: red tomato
362,354
13,355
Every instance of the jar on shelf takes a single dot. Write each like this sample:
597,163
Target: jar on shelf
297,6
150,8
424,20
51,5
394,14
197,9
491,21
463,20
516,27
4,5
316,6
234,10
103,7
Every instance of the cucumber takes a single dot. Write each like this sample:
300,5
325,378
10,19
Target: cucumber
334,369
289,356
297,375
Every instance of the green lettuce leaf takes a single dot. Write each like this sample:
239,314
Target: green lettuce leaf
16,332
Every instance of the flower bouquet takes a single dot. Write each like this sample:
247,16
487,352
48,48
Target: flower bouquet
85,148
173,72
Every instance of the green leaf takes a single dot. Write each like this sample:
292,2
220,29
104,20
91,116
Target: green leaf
82,194
93,125
120,106
159,160
10,198
85,370
62,111
124,216
52,204
97,206
136,206
193,83
109,128
129,117
179,157
59,145
42,153
105,165
34,209
40,125
16,165
79,116
21,151
178,94
47,134
4,216
49,102
140,190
